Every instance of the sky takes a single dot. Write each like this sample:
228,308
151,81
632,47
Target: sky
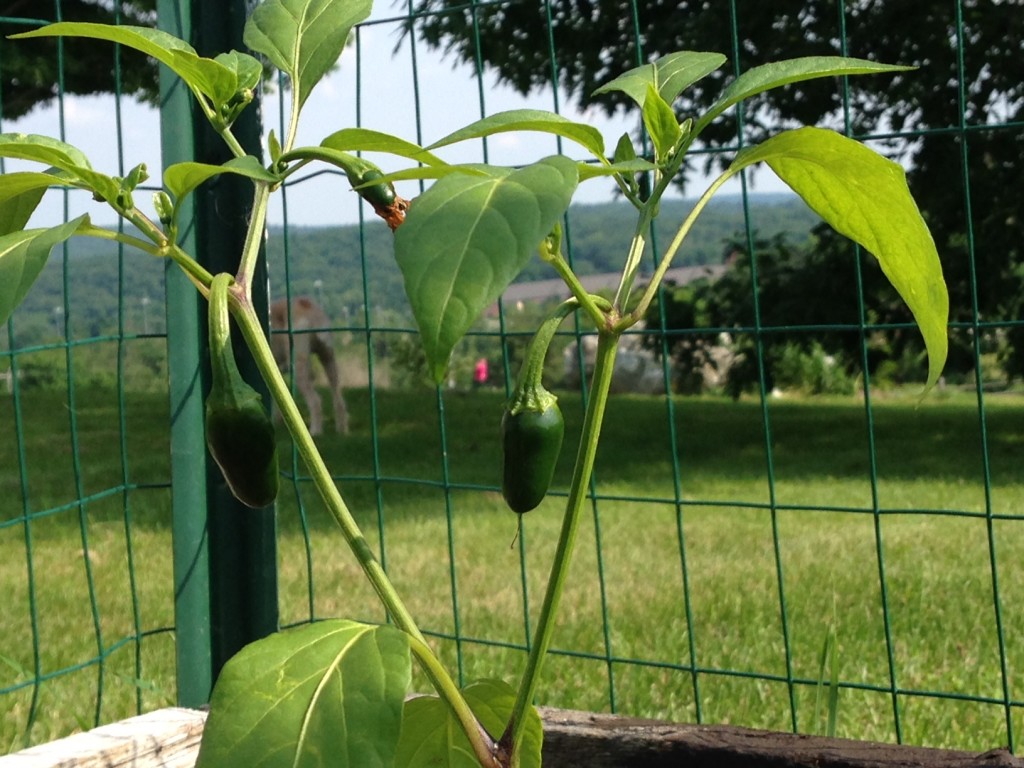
446,97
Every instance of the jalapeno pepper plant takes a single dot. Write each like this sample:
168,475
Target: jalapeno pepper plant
334,692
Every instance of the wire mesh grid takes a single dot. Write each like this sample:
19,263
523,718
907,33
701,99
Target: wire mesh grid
726,540
89,630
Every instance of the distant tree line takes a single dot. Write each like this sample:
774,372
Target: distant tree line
814,323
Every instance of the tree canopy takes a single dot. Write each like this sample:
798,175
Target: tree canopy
34,72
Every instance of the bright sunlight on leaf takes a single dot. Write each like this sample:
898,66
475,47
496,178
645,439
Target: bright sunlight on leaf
779,73
865,196
669,76
303,38
324,694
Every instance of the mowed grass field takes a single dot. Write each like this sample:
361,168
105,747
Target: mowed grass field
709,569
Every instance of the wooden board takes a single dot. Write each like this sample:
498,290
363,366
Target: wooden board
166,738
583,739
169,738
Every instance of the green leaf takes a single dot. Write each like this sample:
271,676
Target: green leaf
303,38
324,694
23,255
182,178
16,208
636,165
42,149
865,196
247,69
586,136
776,74
624,149
206,76
479,170
365,140
467,237
16,184
670,75
431,736
355,166
661,123
52,152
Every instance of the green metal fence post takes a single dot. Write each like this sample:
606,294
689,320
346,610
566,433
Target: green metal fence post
188,460
243,542
225,554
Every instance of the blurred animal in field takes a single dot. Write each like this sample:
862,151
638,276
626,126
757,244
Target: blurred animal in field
305,338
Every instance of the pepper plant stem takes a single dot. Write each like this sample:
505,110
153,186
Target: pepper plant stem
483,746
585,299
604,366
636,252
120,237
666,261
198,274
253,236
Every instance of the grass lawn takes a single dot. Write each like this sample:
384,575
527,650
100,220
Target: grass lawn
703,588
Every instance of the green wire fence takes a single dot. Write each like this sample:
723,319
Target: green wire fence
728,539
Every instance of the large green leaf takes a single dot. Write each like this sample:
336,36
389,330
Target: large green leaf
865,196
467,237
23,255
207,76
42,149
182,178
303,38
431,736
529,120
670,75
325,694
776,74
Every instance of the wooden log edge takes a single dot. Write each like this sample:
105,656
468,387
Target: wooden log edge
166,738
578,739
169,738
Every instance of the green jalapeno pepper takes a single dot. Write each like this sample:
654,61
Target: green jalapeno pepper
239,432
531,441
532,427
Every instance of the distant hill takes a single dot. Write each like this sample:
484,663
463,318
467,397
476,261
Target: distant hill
347,260
599,234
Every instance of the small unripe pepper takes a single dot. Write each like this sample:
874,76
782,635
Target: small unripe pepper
532,432
532,427
239,432
381,195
